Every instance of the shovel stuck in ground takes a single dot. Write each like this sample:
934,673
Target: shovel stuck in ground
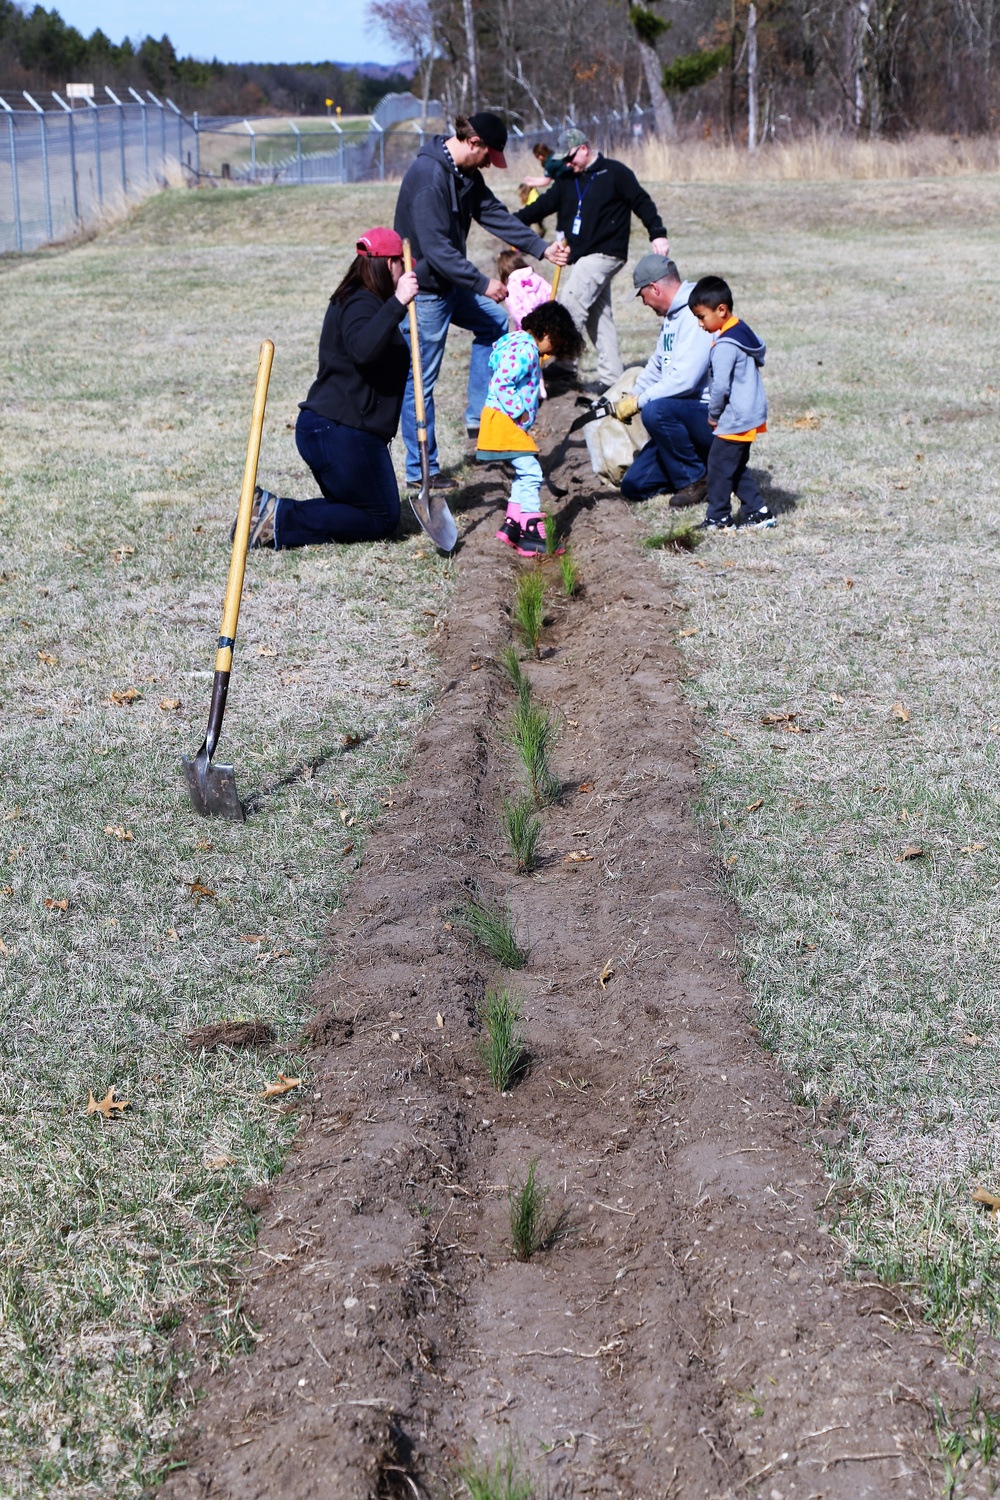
430,509
213,788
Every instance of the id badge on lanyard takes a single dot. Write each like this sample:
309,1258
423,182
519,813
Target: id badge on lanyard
577,224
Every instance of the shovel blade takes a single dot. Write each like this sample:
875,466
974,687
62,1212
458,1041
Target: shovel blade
435,518
212,788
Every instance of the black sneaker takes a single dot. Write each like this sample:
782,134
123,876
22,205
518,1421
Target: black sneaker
708,525
509,533
472,433
759,520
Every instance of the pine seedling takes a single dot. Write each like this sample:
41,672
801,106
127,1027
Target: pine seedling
495,1479
503,1045
510,663
531,733
551,535
569,573
522,831
528,1231
528,610
489,923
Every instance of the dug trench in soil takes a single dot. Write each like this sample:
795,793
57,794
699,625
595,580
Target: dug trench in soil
690,1332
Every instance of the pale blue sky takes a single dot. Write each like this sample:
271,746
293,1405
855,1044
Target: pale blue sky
239,30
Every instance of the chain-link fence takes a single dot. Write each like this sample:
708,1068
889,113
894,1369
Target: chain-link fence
61,167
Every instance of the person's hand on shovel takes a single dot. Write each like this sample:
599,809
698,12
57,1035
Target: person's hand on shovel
557,253
406,288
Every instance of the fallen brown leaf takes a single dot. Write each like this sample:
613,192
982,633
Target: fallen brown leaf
972,848
6,952
52,905
693,630
439,1020
205,845
400,682
576,857
585,786
901,713
198,890
123,697
347,849
753,806
807,423
778,718
6,890
120,553
605,974
988,1200
251,937
346,818
118,831
281,1086
48,658
972,1040
912,851
169,704
348,741
107,1105
266,651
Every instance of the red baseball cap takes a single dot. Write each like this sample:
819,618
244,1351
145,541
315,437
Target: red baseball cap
380,241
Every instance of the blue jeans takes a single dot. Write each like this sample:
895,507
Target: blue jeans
527,484
677,452
353,469
487,322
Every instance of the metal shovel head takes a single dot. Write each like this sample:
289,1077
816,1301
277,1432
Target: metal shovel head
212,788
436,519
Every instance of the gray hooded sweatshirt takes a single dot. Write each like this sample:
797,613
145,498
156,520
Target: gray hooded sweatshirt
678,366
736,398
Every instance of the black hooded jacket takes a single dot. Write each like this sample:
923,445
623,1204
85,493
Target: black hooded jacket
363,364
606,196
435,207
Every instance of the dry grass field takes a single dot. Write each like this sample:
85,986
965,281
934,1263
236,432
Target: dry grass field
864,626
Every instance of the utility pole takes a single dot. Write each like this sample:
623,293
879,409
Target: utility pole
470,47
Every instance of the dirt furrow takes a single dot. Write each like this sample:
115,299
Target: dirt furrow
690,1332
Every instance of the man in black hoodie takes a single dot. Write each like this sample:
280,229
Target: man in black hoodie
594,203
442,192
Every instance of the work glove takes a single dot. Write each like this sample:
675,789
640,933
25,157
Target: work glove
626,408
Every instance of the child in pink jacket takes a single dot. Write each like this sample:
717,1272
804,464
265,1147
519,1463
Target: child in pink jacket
526,290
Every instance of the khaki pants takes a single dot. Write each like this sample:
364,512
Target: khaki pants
586,294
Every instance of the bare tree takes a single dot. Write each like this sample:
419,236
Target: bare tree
409,25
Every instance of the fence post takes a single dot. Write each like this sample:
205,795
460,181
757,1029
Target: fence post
340,148
163,133
197,146
298,148
180,132
253,150
45,163
121,136
381,149
72,153
145,132
97,151
15,193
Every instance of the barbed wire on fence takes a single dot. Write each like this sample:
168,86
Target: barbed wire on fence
64,167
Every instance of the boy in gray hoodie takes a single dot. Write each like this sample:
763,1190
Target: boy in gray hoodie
737,408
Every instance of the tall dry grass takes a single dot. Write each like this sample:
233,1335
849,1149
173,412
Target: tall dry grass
820,157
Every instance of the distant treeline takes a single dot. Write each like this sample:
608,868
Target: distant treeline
39,52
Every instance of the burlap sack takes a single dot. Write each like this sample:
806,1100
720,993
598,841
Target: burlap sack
611,444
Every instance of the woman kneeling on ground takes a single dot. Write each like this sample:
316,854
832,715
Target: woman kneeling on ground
352,410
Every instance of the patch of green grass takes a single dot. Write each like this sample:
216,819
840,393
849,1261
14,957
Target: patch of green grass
873,976
569,574
497,1478
116,523
488,920
503,1045
532,732
522,830
682,536
969,1446
528,609
529,1231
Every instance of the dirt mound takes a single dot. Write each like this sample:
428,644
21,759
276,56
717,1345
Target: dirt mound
689,1333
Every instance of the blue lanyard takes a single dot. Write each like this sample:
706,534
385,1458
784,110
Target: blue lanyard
578,221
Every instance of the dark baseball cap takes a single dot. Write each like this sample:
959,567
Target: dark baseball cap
492,131
652,268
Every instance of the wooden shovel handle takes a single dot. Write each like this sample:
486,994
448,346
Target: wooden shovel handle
418,377
555,284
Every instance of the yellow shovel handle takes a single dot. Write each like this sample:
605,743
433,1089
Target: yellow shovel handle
237,564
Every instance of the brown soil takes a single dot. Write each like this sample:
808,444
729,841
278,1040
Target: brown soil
690,1333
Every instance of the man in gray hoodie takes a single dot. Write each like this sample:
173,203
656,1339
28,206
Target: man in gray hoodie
671,393
442,192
